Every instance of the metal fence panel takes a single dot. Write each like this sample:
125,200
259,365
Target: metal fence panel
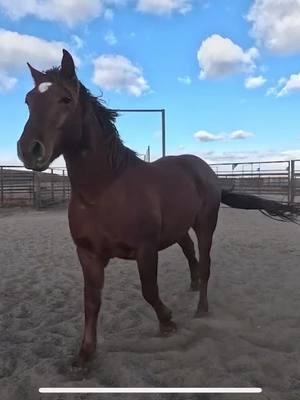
275,179
295,181
16,185
270,179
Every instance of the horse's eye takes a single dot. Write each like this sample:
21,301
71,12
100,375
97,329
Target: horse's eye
65,100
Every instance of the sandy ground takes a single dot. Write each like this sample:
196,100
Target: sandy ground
250,338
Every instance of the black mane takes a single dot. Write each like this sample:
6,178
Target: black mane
119,155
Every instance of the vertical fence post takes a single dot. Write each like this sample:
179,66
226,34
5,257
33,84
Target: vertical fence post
64,186
2,186
163,136
37,190
289,189
52,186
292,181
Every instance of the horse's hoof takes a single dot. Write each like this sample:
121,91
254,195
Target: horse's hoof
78,365
80,362
168,328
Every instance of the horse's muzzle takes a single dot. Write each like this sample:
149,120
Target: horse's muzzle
35,157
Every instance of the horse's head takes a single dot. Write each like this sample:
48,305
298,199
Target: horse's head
53,115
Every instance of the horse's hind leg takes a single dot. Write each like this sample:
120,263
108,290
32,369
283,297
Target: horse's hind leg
187,245
147,258
204,229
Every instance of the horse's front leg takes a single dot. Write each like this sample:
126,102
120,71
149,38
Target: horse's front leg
147,258
93,272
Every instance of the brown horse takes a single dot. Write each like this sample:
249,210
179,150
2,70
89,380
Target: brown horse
122,206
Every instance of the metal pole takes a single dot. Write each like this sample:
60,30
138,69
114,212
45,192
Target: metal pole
2,188
163,136
163,122
64,187
52,186
289,182
293,181
37,190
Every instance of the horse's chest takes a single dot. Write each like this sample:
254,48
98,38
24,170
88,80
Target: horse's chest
102,231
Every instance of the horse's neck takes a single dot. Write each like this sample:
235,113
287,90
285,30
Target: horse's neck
88,167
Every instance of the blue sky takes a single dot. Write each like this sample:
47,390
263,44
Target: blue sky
227,72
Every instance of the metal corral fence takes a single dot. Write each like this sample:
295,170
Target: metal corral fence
274,179
20,187
271,179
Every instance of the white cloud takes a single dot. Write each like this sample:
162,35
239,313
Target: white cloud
73,12
116,72
290,86
116,2
78,42
219,56
240,156
164,7
240,134
276,24
109,14
275,89
6,82
70,12
186,80
204,136
17,49
285,86
250,156
291,154
230,156
253,82
110,38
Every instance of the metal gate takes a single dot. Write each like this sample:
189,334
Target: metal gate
51,187
295,182
270,179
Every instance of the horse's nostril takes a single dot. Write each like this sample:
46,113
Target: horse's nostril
38,150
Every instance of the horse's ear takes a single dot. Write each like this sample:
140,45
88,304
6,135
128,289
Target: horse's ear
67,65
37,76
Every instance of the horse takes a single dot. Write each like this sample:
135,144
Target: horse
120,205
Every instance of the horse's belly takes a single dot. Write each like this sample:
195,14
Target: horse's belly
118,250
177,218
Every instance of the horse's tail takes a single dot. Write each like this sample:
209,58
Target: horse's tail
270,208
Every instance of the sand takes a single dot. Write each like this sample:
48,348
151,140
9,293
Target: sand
250,338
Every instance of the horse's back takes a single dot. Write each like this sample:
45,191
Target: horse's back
196,170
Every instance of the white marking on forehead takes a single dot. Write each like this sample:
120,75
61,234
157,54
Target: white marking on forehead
44,86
